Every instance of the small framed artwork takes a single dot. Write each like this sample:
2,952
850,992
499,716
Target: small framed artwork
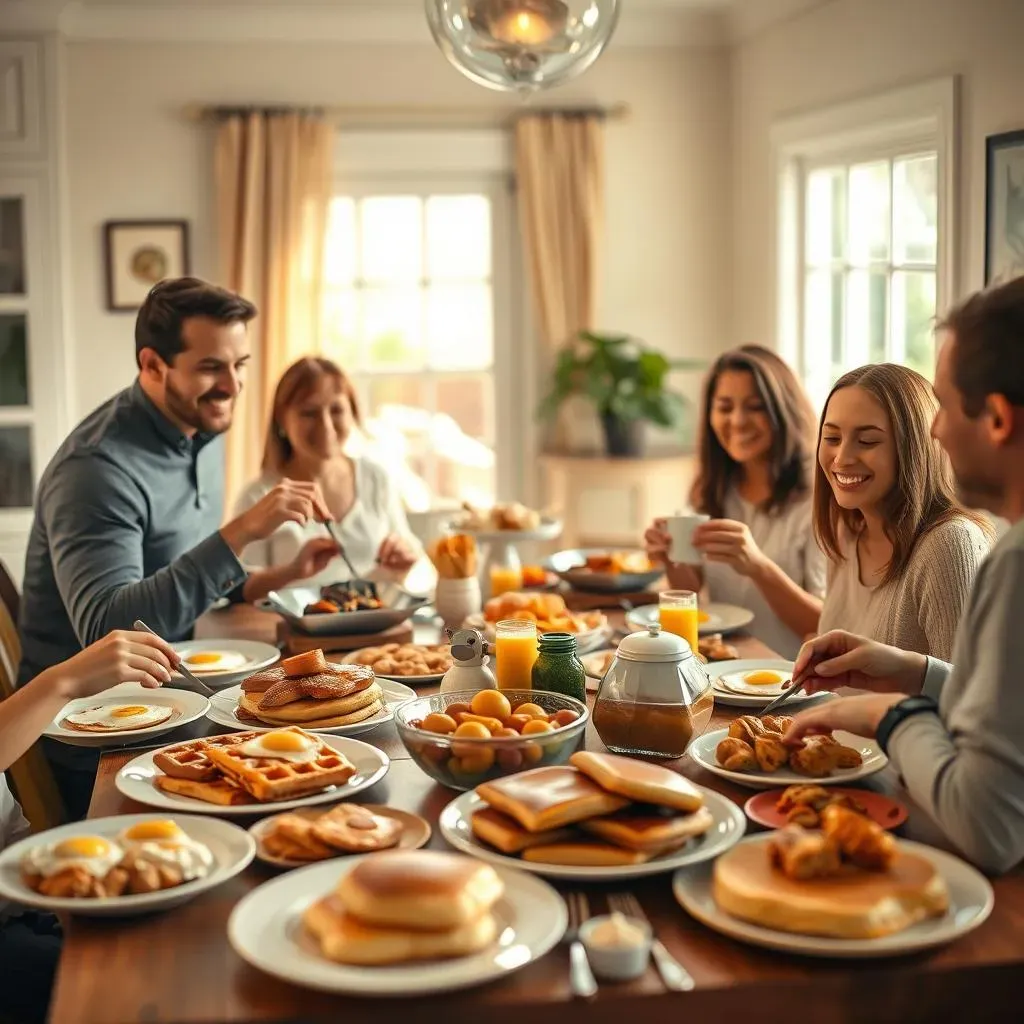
138,254
1004,206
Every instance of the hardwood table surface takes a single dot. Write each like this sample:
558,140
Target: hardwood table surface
179,967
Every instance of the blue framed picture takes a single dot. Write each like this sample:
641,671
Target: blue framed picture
1004,207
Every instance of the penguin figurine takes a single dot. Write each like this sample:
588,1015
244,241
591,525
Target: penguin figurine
469,669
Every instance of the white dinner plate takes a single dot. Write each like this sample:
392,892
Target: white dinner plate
223,706
185,705
722,673
135,781
970,902
722,618
352,658
702,750
232,848
266,929
586,640
730,823
595,662
257,656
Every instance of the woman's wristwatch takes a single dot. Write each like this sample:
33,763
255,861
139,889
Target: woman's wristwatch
900,712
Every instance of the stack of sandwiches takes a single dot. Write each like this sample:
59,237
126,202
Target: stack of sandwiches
600,810
309,692
403,905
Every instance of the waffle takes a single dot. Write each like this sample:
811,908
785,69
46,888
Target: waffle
270,778
189,760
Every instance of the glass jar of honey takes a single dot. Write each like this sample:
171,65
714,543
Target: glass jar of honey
655,698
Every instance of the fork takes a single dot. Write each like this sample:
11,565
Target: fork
192,680
581,977
675,976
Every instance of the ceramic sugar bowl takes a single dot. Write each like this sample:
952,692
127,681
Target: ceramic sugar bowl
655,698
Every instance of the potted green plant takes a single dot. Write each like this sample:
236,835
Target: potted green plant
627,382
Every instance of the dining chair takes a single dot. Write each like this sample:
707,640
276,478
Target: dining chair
30,776
9,596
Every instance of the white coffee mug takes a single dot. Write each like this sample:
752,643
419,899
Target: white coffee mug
680,530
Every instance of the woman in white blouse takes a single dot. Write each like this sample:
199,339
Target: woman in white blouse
315,410
754,481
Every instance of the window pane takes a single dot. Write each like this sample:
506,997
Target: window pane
866,318
340,248
825,215
392,327
405,391
869,220
12,247
15,467
341,327
13,360
459,237
913,315
392,238
916,203
823,327
460,331
467,400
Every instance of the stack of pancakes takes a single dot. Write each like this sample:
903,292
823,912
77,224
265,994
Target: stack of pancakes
600,810
308,691
403,905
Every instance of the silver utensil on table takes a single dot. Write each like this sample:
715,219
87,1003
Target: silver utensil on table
674,975
195,682
791,691
360,585
581,977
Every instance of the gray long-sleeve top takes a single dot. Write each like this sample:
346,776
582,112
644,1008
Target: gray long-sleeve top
126,526
965,766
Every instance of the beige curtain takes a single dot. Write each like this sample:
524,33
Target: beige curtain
273,187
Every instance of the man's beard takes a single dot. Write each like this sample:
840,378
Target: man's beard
191,413
976,491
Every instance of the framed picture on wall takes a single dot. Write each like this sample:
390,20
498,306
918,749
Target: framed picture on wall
139,253
1004,206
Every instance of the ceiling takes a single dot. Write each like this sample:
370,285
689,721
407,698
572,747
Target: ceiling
642,22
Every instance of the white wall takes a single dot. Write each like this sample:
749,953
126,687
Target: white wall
131,154
852,48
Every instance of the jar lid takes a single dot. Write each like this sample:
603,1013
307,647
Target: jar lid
652,645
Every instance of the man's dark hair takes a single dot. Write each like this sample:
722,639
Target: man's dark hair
987,354
170,303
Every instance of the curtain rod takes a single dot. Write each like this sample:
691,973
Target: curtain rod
383,117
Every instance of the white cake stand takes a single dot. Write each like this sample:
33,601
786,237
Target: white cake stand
501,547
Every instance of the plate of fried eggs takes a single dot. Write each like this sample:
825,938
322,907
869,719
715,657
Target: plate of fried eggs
226,662
125,865
125,713
751,682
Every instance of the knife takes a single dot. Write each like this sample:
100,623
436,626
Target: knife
779,701
196,683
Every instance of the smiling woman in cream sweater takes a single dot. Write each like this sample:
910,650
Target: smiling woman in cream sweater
904,553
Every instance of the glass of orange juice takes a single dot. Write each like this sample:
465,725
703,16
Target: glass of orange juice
505,578
515,651
677,610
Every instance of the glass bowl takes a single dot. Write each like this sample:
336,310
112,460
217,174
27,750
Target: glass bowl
464,762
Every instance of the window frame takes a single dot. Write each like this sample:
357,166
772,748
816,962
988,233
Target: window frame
917,119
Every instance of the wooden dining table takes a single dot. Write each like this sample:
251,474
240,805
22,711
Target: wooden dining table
177,967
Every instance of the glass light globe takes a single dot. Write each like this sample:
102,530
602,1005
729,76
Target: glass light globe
522,45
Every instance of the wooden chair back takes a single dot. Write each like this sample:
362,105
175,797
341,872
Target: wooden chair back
9,596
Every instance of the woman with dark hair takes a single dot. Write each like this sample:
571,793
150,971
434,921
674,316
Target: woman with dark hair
314,412
754,481
904,552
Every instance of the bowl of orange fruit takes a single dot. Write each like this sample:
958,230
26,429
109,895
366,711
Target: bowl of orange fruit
466,737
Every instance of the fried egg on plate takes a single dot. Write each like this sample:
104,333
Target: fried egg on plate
118,717
282,745
163,841
93,854
760,682
215,661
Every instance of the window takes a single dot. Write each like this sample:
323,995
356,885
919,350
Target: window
865,232
410,315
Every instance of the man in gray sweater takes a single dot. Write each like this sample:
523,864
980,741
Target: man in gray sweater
955,733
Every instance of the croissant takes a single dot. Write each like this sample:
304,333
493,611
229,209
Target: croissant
847,757
803,795
735,755
812,760
800,855
771,753
748,728
777,723
862,841
803,815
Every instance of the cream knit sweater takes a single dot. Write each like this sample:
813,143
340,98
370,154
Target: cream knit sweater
919,611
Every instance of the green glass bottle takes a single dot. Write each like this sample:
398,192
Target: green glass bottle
558,669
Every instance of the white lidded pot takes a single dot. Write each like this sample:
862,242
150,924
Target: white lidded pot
655,698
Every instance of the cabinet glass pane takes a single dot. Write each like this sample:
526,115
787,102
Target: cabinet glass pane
12,247
15,467
13,359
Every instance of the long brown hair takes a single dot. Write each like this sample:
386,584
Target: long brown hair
923,495
792,418
296,383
